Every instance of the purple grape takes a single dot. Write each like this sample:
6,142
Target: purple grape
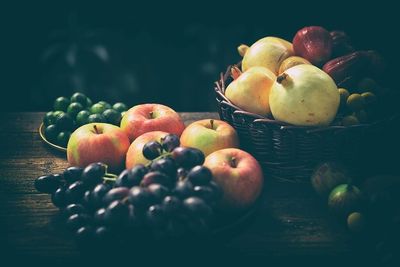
199,175
170,142
197,207
47,184
116,193
164,165
131,177
72,174
152,150
76,221
155,216
158,192
187,157
116,214
156,178
93,173
75,191
140,197
58,198
171,205
183,189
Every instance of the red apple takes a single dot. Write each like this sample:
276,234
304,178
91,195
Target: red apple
209,135
239,175
145,118
134,155
96,142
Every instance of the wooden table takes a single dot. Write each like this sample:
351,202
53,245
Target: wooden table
291,226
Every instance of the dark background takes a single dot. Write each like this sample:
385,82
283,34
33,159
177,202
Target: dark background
169,53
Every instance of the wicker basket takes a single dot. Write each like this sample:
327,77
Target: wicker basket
290,153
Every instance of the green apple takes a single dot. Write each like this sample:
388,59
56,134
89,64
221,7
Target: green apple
209,135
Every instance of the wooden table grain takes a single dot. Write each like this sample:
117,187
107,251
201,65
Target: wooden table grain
292,224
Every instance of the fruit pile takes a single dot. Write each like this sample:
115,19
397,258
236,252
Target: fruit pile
173,196
70,113
317,80
369,208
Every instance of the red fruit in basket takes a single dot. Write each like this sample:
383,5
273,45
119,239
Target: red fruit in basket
209,136
239,175
145,118
341,44
98,142
354,66
313,43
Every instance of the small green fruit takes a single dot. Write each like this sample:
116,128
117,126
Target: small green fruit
350,120
345,199
105,104
356,222
368,97
97,108
64,122
120,107
355,102
49,118
61,103
62,138
96,118
112,116
74,108
82,117
80,98
51,132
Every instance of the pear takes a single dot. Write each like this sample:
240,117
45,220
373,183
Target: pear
304,95
267,52
291,62
250,91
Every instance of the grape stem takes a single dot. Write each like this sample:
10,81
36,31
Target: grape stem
159,157
110,177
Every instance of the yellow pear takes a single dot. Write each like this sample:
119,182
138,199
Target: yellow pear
304,95
267,52
250,91
291,62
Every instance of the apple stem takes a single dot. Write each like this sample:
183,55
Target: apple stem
233,162
151,114
95,129
212,123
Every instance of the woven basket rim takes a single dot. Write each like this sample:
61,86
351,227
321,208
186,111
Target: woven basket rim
220,86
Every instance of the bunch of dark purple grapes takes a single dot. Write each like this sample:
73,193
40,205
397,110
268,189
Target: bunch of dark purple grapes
174,196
